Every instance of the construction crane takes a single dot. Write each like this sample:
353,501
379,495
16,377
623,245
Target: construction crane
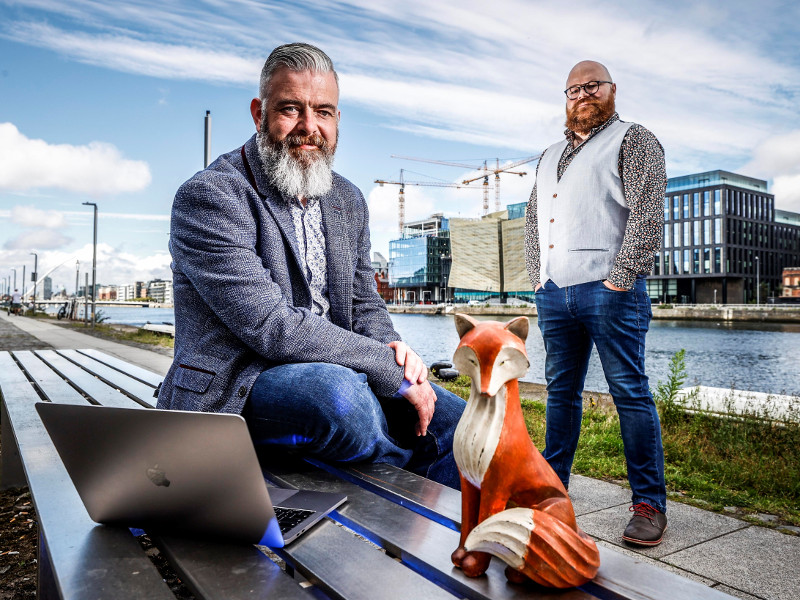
485,176
401,200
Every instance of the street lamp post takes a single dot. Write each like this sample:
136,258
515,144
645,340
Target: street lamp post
15,277
94,261
35,275
758,277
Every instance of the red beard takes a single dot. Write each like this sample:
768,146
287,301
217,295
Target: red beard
590,113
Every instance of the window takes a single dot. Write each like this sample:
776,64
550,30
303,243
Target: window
656,265
666,263
706,203
717,260
706,260
696,205
687,233
666,235
696,237
676,261
686,266
676,207
676,234
696,260
686,206
717,231
707,231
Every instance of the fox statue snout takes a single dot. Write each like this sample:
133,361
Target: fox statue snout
538,537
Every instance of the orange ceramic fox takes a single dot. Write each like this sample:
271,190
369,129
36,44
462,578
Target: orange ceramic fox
513,504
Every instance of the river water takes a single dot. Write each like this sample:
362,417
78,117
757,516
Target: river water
761,357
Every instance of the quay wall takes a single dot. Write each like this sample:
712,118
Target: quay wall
695,312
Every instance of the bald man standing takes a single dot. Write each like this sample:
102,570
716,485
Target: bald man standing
594,221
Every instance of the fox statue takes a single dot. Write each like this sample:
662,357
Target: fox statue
513,506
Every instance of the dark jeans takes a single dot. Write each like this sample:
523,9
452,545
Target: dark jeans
330,412
571,320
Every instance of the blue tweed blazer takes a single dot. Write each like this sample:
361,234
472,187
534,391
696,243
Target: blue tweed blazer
242,303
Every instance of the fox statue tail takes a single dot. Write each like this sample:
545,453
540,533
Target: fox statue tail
537,544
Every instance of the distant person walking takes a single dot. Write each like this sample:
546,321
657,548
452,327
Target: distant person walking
277,316
594,222
16,303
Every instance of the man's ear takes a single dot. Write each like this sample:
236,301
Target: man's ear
255,110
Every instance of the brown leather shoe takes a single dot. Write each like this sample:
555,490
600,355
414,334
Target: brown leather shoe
646,527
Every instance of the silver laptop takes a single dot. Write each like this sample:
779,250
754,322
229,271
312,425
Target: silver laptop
177,472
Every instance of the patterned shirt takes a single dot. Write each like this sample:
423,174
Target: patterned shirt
311,243
644,182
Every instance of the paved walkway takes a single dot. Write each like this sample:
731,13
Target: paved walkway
731,555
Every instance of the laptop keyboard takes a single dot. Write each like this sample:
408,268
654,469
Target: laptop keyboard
289,517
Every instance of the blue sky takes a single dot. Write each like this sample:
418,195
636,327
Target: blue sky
104,102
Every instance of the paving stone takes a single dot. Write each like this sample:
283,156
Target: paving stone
755,560
737,593
687,526
590,495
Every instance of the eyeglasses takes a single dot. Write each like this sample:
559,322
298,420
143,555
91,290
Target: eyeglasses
590,87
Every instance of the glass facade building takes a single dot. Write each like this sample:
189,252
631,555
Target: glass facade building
721,241
419,262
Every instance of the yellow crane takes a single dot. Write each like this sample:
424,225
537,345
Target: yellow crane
401,200
485,175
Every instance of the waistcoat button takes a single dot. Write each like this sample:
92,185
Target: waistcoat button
551,245
555,195
552,220
242,392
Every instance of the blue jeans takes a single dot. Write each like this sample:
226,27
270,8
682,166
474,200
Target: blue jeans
329,412
571,320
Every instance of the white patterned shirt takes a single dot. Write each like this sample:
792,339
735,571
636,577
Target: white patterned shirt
311,243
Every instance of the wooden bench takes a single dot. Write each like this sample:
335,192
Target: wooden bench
412,521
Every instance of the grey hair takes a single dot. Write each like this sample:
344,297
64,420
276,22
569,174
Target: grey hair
295,57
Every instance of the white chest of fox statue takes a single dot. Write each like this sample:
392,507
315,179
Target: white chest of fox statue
513,504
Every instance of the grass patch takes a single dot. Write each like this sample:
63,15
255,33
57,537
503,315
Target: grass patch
714,462
127,334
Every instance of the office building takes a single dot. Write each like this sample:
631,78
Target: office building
791,283
160,290
419,262
489,256
47,288
723,241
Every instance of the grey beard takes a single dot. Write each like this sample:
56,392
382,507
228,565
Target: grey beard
286,173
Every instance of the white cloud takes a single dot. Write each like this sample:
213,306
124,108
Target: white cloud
28,216
39,239
113,266
96,168
787,192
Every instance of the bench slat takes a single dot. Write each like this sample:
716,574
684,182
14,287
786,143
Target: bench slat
141,391
363,573
422,544
426,497
219,571
134,371
85,559
86,382
54,388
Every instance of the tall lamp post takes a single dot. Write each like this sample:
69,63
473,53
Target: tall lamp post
94,260
15,278
35,275
758,283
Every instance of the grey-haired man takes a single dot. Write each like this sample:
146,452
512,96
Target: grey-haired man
277,315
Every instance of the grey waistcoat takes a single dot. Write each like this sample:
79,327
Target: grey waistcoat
582,217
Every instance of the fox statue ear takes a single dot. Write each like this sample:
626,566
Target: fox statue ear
519,327
464,324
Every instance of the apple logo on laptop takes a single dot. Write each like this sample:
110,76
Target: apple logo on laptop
158,476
